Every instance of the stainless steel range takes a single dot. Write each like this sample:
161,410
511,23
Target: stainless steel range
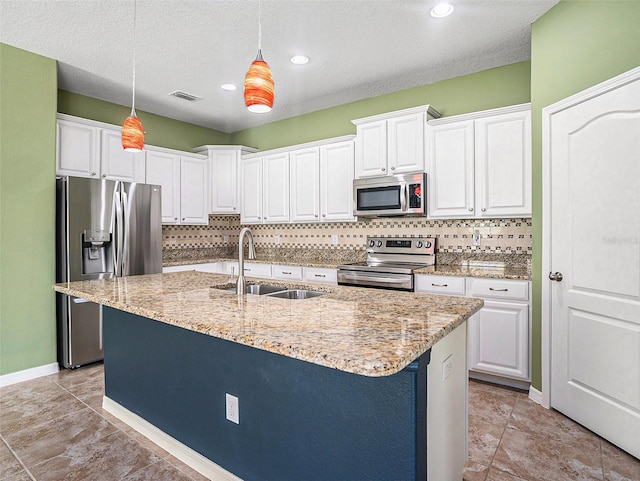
390,263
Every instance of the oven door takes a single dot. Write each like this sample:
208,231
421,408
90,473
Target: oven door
384,280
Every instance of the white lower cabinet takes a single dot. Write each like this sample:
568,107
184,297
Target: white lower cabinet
255,269
498,334
286,272
320,274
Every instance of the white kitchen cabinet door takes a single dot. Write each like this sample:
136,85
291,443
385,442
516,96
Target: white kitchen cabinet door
224,183
336,181
292,273
499,340
450,169
405,147
194,198
276,188
305,185
503,164
164,169
371,149
320,274
118,164
78,149
251,190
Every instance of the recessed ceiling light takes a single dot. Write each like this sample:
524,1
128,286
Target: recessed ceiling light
442,10
228,87
299,59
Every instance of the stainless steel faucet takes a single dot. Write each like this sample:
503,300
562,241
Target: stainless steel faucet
241,284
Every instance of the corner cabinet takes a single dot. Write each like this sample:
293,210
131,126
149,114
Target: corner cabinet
479,165
392,143
86,148
184,180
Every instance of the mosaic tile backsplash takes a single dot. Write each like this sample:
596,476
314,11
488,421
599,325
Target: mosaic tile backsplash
497,236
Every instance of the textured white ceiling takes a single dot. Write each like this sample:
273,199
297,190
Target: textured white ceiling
358,49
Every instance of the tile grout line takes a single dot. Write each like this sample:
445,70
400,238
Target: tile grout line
15,455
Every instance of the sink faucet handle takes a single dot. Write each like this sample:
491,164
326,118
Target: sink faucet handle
252,251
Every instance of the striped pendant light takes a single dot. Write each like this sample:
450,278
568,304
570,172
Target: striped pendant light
259,89
132,130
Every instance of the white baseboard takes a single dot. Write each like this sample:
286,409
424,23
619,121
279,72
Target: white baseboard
28,374
536,396
184,453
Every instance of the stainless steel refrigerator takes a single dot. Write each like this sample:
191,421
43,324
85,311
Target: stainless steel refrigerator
104,229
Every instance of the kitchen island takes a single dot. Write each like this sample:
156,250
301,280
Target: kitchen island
332,387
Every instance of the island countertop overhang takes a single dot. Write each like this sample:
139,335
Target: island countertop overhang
362,331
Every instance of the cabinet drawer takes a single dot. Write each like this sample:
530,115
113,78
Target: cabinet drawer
440,284
287,272
253,269
318,274
498,289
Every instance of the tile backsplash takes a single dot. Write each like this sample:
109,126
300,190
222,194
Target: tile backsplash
497,236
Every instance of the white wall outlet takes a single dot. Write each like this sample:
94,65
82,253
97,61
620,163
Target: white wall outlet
225,239
447,367
233,412
476,238
334,239
276,239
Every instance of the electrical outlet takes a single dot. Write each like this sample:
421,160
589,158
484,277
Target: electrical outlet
225,239
447,367
476,238
276,239
334,239
233,412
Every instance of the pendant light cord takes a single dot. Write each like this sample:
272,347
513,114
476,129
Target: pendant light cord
259,25
133,95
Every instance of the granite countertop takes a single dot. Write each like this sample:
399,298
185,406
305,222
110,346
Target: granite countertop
507,272
363,331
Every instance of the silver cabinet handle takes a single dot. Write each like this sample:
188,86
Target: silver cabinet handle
555,276
175,218
439,285
319,275
315,215
383,169
324,215
483,209
393,168
470,209
286,273
498,290
104,175
93,173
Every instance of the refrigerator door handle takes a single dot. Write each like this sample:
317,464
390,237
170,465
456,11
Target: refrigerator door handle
100,328
117,230
79,300
125,228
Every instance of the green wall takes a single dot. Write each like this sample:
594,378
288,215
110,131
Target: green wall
159,131
498,87
576,45
28,90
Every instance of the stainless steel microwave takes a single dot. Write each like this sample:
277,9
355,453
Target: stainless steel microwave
391,195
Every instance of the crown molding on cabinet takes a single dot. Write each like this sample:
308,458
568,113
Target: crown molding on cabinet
481,114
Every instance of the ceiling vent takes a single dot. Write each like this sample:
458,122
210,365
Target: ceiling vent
185,96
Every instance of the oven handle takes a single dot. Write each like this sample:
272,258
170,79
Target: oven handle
391,280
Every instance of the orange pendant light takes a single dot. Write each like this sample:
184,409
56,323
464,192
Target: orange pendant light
259,89
132,130
258,86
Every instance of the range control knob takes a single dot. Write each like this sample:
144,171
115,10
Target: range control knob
372,243
419,244
379,243
427,244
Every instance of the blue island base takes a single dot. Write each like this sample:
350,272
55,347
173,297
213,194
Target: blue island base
298,421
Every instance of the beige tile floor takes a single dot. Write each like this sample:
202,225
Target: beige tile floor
54,428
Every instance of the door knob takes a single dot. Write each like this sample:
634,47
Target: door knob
555,276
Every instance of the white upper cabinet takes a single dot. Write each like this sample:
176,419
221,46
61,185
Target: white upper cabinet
392,143
305,185
479,165
118,164
164,169
336,181
276,187
86,148
251,190
223,172
185,185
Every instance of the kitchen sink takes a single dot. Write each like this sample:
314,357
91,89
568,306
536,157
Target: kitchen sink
259,289
296,294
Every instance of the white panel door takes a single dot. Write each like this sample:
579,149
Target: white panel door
406,143
194,193
450,173
595,245
503,165
275,207
78,150
371,149
251,190
336,181
224,182
164,169
305,185
116,163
